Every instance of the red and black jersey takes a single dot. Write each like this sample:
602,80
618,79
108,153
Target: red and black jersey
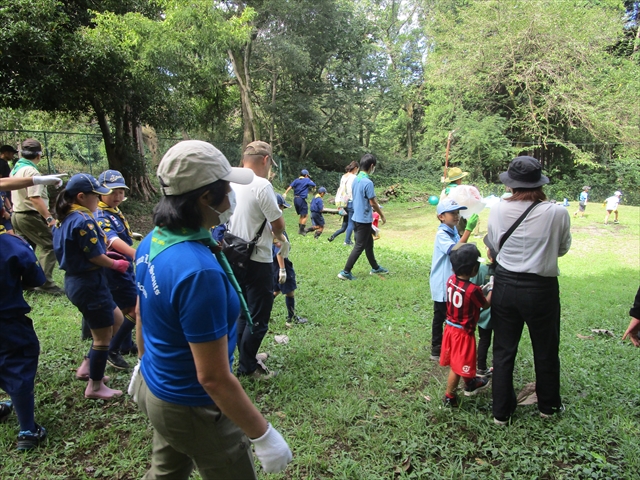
464,300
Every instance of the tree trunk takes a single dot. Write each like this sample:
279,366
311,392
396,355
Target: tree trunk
124,150
240,63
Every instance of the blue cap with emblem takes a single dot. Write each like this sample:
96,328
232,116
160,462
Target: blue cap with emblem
112,179
85,183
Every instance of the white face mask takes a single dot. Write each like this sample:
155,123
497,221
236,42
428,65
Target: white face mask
373,169
226,215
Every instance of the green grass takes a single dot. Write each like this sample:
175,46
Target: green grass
357,396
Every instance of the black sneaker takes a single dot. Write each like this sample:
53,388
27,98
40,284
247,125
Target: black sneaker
331,238
116,361
476,385
130,351
487,372
28,440
5,410
299,319
450,402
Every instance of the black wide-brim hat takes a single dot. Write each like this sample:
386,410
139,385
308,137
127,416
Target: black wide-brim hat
524,172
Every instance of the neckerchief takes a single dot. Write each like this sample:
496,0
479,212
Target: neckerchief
23,162
118,212
163,238
362,175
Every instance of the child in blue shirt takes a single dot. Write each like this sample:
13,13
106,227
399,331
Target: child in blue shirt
120,245
285,275
80,247
301,186
317,207
448,212
19,346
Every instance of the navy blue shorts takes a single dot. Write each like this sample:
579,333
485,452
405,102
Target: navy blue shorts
288,286
317,219
90,294
301,206
19,352
123,288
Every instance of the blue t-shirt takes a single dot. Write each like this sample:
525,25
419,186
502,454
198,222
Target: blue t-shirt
185,297
18,267
583,196
317,204
301,186
77,239
363,191
441,270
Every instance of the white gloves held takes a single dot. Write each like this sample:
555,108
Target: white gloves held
49,179
133,383
285,248
282,276
486,288
272,451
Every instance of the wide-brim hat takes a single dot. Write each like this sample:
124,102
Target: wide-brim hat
454,174
524,172
192,164
85,183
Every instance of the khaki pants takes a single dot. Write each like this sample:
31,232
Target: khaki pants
33,228
184,436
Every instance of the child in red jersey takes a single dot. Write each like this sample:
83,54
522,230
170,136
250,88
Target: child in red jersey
464,301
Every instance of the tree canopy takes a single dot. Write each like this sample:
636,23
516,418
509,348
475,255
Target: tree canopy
326,80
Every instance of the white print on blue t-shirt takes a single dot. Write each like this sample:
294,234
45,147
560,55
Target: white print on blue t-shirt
145,259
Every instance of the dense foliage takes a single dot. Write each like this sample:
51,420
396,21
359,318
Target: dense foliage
326,80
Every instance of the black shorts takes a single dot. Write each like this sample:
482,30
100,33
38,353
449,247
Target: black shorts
317,219
90,294
290,285
301,206
582,206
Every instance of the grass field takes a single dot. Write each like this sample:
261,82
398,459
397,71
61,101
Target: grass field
357,396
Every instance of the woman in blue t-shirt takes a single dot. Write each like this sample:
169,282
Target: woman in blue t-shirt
186,329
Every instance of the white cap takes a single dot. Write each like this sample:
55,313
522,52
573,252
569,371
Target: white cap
618,193
192,164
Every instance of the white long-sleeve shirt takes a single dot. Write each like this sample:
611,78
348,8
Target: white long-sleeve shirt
534,247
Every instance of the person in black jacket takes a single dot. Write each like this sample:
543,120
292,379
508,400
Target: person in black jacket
633,330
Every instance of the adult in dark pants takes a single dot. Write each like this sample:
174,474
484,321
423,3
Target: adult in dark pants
364,203
301,186
526,286
257,206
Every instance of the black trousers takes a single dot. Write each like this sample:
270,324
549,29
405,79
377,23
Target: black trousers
484,343
437,326
256,282
364,242
520,298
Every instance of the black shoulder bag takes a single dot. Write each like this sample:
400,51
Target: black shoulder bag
237,250
517,223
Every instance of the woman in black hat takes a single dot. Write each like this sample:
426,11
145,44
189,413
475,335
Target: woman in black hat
526,285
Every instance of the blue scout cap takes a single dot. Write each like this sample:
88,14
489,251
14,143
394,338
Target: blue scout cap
112,179
85,183
304,172
322,190
449,205
282,201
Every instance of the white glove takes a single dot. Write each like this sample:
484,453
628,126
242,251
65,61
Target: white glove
282,276
488,286
136,236
285,248
49,179
133,384
272,451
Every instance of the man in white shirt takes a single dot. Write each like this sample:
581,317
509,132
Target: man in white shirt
256,212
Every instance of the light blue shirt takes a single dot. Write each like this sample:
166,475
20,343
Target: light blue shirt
583,196
362,191
441,270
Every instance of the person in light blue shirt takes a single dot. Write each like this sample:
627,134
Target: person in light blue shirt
584,198
364,203
447,237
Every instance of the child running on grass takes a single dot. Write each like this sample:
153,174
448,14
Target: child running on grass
317,207
19,346
464,300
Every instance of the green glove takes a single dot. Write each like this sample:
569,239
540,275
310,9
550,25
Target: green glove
472,222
